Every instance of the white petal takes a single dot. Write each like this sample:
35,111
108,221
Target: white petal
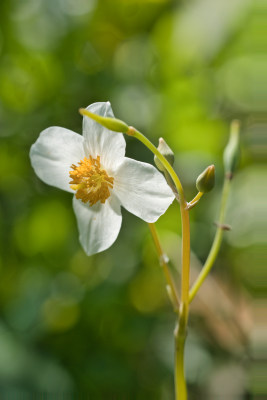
142,190
98,225
109,145
53,153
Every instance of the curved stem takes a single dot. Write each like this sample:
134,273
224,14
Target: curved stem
180,335
138,135
194,201
163,261
216,242
184,215
172,186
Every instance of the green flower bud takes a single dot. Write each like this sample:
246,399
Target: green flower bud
206,180
167,152
232,150
113,124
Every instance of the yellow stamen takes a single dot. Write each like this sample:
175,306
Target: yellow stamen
91,182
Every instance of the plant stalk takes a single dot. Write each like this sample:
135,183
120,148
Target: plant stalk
216,242
162,259
180,333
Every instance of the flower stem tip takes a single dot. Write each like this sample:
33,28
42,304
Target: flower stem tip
232,150
112,124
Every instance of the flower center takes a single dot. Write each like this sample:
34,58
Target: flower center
91,182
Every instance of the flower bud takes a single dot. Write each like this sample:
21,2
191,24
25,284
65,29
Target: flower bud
232,150
113,124
167,152
206,180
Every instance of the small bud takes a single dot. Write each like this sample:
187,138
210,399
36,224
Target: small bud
232,150
206,180
113,124
167,152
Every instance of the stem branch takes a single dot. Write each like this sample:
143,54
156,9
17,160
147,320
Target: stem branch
162,258
195,200
216,242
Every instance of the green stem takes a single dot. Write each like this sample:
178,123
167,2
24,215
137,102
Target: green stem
195,200
184,215
180,383
172,186
138,135
185,257
164,263
216,242
180,337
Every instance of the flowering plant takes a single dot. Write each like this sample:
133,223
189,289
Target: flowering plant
94,168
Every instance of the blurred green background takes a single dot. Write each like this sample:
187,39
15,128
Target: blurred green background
102,326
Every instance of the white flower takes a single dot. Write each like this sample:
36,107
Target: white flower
94,167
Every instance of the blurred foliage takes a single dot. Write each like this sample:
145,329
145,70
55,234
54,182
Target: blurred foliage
103,325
